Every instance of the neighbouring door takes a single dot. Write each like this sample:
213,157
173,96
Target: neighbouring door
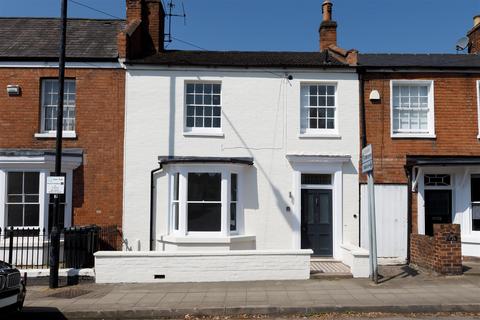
438,208
317,226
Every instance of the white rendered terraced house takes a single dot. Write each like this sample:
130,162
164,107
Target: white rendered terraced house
238,165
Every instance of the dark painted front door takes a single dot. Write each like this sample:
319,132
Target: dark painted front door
317,221
438,208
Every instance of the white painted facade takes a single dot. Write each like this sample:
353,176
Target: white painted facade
391,211
462,212
260,119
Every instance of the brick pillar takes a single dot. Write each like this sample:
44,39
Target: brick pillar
448,249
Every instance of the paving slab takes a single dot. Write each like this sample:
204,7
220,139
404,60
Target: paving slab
413,292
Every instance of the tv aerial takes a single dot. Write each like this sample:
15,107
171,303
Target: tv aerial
462,44
170,15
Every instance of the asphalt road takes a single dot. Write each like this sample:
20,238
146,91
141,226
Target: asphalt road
31,314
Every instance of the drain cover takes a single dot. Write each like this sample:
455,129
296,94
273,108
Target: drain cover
69,293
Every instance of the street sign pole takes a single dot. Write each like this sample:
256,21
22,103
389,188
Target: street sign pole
367,168
55,234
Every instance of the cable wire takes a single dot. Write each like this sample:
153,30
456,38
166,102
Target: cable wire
94,9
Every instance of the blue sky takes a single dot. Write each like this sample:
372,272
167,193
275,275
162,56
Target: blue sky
291,25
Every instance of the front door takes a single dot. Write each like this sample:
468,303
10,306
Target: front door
438,208
317,226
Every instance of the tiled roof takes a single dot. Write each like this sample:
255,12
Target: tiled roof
38,39
242,59
419,60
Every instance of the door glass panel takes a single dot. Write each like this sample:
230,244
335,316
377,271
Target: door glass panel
320,179
324,208
311,208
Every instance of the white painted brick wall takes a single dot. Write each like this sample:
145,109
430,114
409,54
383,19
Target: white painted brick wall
251,265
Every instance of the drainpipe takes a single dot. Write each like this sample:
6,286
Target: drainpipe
363,121
152,194
409,173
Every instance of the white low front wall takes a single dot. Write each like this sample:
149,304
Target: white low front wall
238,265
260,120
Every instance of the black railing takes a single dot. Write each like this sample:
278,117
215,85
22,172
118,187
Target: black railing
29,248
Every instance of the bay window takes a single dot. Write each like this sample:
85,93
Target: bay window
204,200
23,201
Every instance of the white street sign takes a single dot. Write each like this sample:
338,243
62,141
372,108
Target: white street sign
55,185
367,159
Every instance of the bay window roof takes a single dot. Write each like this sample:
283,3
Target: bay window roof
165,160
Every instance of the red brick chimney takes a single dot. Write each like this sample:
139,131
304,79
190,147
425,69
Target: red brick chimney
474,36
328,28
144,33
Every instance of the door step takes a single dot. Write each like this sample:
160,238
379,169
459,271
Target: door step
328,268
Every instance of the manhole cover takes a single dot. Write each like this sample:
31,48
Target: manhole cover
70,293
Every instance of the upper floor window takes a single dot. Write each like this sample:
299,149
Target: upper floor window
49,105
203,107
318,109
412,109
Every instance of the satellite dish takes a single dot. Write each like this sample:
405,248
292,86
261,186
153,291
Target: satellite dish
462,44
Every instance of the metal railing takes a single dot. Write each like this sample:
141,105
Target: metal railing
29,248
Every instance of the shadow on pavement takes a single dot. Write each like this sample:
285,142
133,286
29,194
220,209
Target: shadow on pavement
403,272
36,313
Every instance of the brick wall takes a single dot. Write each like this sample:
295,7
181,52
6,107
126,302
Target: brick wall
455,101
441,253
97,196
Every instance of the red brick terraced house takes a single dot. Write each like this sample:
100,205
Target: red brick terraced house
422,120
92,128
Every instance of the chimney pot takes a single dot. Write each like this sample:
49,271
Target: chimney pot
327,10
474,36
476,20
328,28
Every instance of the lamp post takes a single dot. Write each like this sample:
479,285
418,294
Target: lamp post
55,234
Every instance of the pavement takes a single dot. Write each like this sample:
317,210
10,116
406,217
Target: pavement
401,289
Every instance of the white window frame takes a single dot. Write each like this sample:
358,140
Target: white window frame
312,133
52,133
202,131
475,233
226,171
431,110
44,165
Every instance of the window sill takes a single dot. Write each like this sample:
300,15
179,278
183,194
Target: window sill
209,239
52,135
413,136
471,238
319,136
203,134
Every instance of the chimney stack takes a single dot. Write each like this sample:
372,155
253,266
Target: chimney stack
328,27
474,36
145,30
